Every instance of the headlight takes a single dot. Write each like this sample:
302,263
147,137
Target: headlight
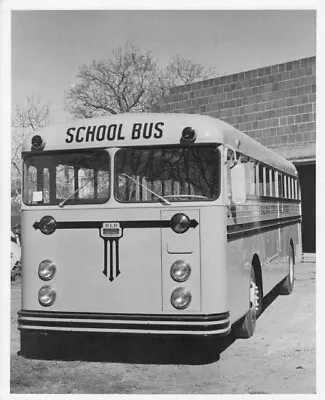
180,271
46,270
181,298
180,223
46,296
47,225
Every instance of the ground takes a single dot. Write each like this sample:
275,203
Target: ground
279,358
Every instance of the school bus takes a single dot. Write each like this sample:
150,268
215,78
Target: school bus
153,224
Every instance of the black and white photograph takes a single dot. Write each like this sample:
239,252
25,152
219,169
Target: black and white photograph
160,198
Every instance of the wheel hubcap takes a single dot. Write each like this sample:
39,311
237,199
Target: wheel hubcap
291,269
254,299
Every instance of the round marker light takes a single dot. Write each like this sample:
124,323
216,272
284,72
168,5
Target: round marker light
47,225
188,134
37,141
46,270
181,298
46,296
180,271
180,223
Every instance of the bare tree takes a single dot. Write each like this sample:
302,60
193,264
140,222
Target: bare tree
127,81
118,84
181,71
28,116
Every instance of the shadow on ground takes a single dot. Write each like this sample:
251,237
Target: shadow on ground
127,349
131,348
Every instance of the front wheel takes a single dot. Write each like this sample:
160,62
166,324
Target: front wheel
286,286
245,327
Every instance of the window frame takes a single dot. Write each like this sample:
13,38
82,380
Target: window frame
278,182
217,146
53,199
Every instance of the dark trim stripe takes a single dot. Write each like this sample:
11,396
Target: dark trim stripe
269,199
126,317
239,231
126,323
117,326
123,224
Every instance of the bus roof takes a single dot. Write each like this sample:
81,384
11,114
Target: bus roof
143,129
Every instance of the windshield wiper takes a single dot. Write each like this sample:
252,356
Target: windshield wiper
64,201
165,201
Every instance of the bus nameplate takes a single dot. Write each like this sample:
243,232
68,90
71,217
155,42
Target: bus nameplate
111,230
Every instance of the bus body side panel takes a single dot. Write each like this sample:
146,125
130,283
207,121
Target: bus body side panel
265,229
238,279
240,257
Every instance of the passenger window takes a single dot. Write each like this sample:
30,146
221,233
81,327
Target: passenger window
293,192
261,174
272,181
276,184
252,176
280,184
289,187
267,182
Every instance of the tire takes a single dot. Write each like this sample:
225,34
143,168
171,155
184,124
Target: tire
286,286
245,327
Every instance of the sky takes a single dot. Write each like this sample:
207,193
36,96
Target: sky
47,47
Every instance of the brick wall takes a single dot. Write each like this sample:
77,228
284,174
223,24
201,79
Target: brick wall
275,105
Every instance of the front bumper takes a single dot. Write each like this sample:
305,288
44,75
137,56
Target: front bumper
191,324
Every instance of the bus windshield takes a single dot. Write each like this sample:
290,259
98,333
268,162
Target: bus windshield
73,178
174,174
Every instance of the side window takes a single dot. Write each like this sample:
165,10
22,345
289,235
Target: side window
257,179
296,188
249,174
276,183
252,165
261,175
293,190
272,181
267,182
280,184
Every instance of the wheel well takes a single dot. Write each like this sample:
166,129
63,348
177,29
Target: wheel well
258,271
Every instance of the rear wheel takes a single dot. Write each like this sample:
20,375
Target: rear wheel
286,286
245,327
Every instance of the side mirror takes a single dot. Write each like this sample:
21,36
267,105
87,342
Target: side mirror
238,183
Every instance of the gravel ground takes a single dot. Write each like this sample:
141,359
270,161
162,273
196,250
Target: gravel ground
279,358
